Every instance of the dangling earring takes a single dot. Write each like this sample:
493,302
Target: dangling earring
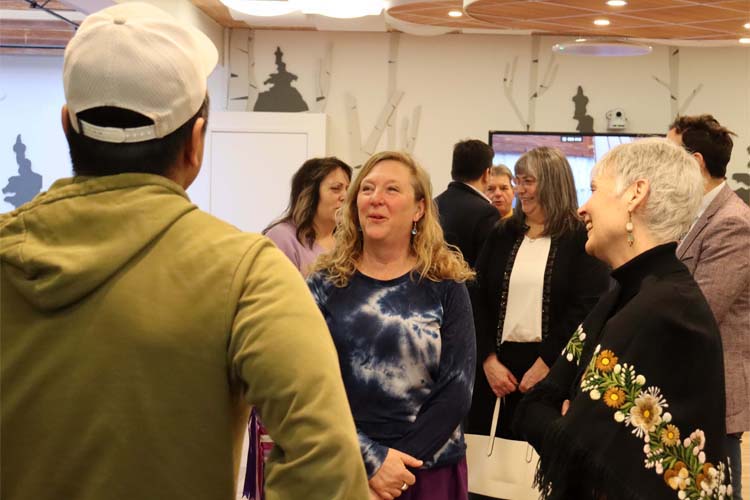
629,229
414,229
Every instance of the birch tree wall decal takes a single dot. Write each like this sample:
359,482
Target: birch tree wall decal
536,89
673,85
323,80
242,91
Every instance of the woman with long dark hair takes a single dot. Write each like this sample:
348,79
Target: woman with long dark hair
305,230
535,285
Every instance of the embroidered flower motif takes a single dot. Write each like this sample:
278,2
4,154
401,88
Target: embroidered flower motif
574,348
646,414
682,464
708,479
698,438
606,361
614,397
678,477
670,435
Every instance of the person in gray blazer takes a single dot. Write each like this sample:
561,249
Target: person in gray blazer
717,251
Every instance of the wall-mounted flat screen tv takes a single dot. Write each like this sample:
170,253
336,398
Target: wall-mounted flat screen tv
582,150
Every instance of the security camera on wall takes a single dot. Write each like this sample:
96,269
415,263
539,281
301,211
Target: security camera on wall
616,119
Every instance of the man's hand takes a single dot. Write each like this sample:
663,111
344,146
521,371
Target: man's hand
533,375
501,380
388,481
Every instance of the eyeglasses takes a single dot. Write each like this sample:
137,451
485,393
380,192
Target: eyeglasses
526,182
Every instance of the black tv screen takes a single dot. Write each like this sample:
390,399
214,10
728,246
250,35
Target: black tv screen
582,150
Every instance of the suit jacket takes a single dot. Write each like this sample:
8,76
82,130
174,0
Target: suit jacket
717,252
466,217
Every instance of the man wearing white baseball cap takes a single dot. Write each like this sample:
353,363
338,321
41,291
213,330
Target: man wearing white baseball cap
136,329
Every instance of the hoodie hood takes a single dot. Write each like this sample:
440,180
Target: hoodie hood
71,239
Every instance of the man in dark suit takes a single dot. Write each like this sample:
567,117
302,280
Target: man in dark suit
466,214
717,252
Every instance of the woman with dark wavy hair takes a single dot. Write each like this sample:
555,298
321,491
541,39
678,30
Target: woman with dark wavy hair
305,230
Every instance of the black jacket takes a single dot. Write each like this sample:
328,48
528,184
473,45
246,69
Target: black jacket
573,283
466,217
655,324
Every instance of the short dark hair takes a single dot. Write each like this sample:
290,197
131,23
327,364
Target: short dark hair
471,159
305,195
99,158
703,134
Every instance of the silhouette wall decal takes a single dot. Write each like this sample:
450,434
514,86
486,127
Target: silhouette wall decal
23,187
585,122
281,96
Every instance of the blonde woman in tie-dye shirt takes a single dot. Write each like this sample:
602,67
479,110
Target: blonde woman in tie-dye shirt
393,295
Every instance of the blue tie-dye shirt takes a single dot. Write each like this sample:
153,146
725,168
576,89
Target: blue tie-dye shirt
407,353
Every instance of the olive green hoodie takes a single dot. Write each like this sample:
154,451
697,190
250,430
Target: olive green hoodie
135,330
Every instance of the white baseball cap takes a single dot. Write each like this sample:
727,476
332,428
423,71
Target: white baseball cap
137,57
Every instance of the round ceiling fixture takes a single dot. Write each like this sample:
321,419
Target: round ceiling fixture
746,41
455,13
601,22
617,3
603,47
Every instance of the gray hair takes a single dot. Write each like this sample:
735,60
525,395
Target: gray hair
675,183
556,189
499,170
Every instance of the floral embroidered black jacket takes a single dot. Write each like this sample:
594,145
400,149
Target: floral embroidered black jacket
645,378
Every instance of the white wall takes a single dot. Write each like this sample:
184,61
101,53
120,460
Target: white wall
455,78
31,98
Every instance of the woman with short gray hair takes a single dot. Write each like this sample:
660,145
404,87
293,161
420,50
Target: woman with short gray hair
624,414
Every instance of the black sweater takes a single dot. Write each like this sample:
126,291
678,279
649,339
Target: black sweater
656,326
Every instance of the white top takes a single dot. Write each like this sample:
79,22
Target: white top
523,313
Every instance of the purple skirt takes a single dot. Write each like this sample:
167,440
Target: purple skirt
441,483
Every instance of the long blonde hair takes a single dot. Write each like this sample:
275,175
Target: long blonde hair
436,260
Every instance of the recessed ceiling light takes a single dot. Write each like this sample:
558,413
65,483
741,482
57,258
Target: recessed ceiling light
745,41
746,26
580,40
455,13
601,22
617,3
